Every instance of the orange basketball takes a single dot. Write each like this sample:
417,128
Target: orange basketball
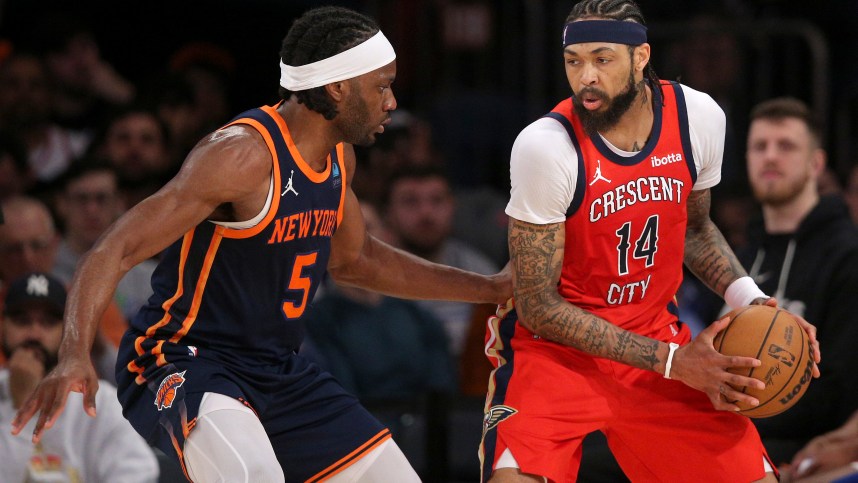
774,337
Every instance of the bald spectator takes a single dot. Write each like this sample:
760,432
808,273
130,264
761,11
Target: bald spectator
28,239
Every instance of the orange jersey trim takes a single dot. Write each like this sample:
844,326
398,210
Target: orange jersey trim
350,458
275,173
138,343
201,285
290,143
183,258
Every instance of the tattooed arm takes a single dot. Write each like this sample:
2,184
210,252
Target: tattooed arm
707,253
711,259
536,253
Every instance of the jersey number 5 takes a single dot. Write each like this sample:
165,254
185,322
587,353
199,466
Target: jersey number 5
645,246
299,283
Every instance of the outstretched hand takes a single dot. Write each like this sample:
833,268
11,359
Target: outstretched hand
49,397
699,365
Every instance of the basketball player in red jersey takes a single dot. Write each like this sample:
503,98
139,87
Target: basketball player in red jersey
609,191
260,211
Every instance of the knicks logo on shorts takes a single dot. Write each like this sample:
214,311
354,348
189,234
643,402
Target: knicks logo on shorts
167,390
495,415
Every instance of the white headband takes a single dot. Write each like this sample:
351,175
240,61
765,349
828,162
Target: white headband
362,58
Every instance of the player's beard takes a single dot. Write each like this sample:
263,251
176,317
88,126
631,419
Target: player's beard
355,123
596,121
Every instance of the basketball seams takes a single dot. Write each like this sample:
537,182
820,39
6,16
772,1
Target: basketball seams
765,339
723,334
787,381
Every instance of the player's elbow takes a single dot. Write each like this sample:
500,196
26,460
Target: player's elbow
532,311
345,271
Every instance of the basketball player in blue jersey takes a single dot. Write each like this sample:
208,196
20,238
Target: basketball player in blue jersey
261,209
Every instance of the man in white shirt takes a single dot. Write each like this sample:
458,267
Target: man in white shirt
80,448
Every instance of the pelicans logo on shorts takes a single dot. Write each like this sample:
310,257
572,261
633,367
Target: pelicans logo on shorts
495,415
167,390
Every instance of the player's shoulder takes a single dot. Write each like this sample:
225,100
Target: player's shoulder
231,146
701,103
540,136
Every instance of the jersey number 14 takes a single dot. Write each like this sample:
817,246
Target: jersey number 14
645,246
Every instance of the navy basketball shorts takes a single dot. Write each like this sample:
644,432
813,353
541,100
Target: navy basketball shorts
315,427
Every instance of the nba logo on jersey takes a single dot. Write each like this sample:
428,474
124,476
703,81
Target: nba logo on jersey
335,175
167,390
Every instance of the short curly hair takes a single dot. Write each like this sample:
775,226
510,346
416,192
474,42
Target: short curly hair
318,34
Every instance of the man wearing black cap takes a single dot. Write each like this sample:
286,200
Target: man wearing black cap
32,329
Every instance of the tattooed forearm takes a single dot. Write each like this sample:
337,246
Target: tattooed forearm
707,253
537,257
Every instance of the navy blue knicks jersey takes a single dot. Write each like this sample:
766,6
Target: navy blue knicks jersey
241,291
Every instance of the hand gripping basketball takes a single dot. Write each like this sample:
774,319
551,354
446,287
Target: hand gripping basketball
699,365
775,337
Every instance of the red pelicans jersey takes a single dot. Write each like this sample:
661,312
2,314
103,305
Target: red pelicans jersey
625,228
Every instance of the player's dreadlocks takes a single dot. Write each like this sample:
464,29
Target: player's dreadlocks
319,34
622,10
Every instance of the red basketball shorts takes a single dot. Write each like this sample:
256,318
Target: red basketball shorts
545,397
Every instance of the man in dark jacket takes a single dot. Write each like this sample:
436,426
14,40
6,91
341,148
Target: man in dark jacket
805,253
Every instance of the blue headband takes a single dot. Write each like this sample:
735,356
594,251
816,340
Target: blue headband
612,31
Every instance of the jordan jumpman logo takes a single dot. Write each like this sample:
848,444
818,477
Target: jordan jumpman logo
289,186
598,176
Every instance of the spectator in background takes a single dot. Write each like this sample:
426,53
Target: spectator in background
379,347
710,60
407,141
805,253
419,209
80,448
88,202
25,110
28,238
171,97
135,141
15,178
86,86
830,457
208,69
29,243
